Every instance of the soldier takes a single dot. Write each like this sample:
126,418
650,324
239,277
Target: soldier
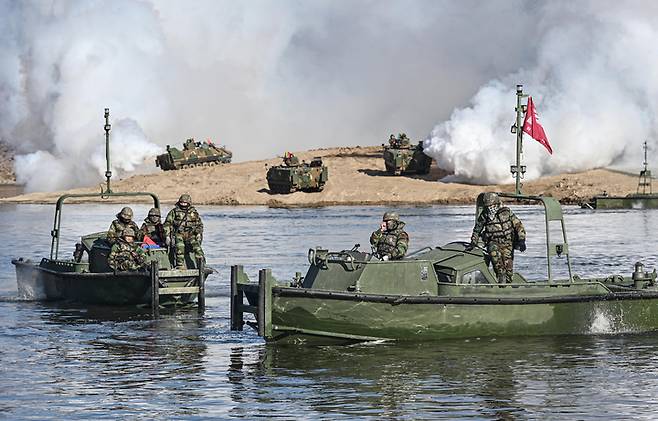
183,223
403,140
390,241
502,232
290,160
123,221
392,141
125,254
153,228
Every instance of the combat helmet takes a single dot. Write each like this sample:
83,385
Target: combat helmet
391,216
126,213
128,232
154,212
490,199
185,198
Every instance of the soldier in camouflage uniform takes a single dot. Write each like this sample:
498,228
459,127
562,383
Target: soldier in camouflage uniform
290,160
124,220
153,227
390,241
125,254
183,223
502,232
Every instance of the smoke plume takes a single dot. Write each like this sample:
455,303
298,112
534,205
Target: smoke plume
263,77
595,85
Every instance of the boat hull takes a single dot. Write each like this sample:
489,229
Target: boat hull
125,288
626,202
340,317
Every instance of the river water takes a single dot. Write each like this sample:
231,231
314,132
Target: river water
70,362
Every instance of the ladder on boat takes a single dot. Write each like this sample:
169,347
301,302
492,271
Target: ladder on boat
157,289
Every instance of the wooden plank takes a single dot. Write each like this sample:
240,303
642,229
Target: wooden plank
179,290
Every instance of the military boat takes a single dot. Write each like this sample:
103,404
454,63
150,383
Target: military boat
440,292
643,198
88,279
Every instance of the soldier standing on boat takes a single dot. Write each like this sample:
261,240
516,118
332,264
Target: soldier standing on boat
502,232
124,220
153,228
183,225
125,254
390,241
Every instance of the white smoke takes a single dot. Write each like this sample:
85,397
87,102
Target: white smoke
594,82
263,77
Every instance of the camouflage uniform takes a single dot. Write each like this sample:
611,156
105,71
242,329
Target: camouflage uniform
126,256
393,242
184,224
123,221
155,230
500,234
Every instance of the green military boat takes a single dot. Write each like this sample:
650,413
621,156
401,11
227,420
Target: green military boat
643,198
444,292
441,292
88,279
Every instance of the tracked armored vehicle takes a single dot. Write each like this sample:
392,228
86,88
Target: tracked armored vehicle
88,278
295,176
401,157
194,154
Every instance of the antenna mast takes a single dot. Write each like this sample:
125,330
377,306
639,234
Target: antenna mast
645,175
518,170
108,172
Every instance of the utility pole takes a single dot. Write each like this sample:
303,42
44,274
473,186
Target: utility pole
518,170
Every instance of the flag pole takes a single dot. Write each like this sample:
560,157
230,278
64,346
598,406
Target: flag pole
518,170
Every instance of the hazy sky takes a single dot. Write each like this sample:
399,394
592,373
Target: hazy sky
263,77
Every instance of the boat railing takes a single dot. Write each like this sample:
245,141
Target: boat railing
55,233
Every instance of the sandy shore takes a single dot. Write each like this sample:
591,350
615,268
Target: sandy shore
356,177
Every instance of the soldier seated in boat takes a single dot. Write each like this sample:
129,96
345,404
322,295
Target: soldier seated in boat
126,255
124,220
502,232
153,228
390,241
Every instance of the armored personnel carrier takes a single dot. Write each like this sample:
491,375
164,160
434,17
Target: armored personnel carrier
194,154
293,175
401,157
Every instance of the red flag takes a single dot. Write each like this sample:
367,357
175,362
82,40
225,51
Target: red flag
532,127
148,241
